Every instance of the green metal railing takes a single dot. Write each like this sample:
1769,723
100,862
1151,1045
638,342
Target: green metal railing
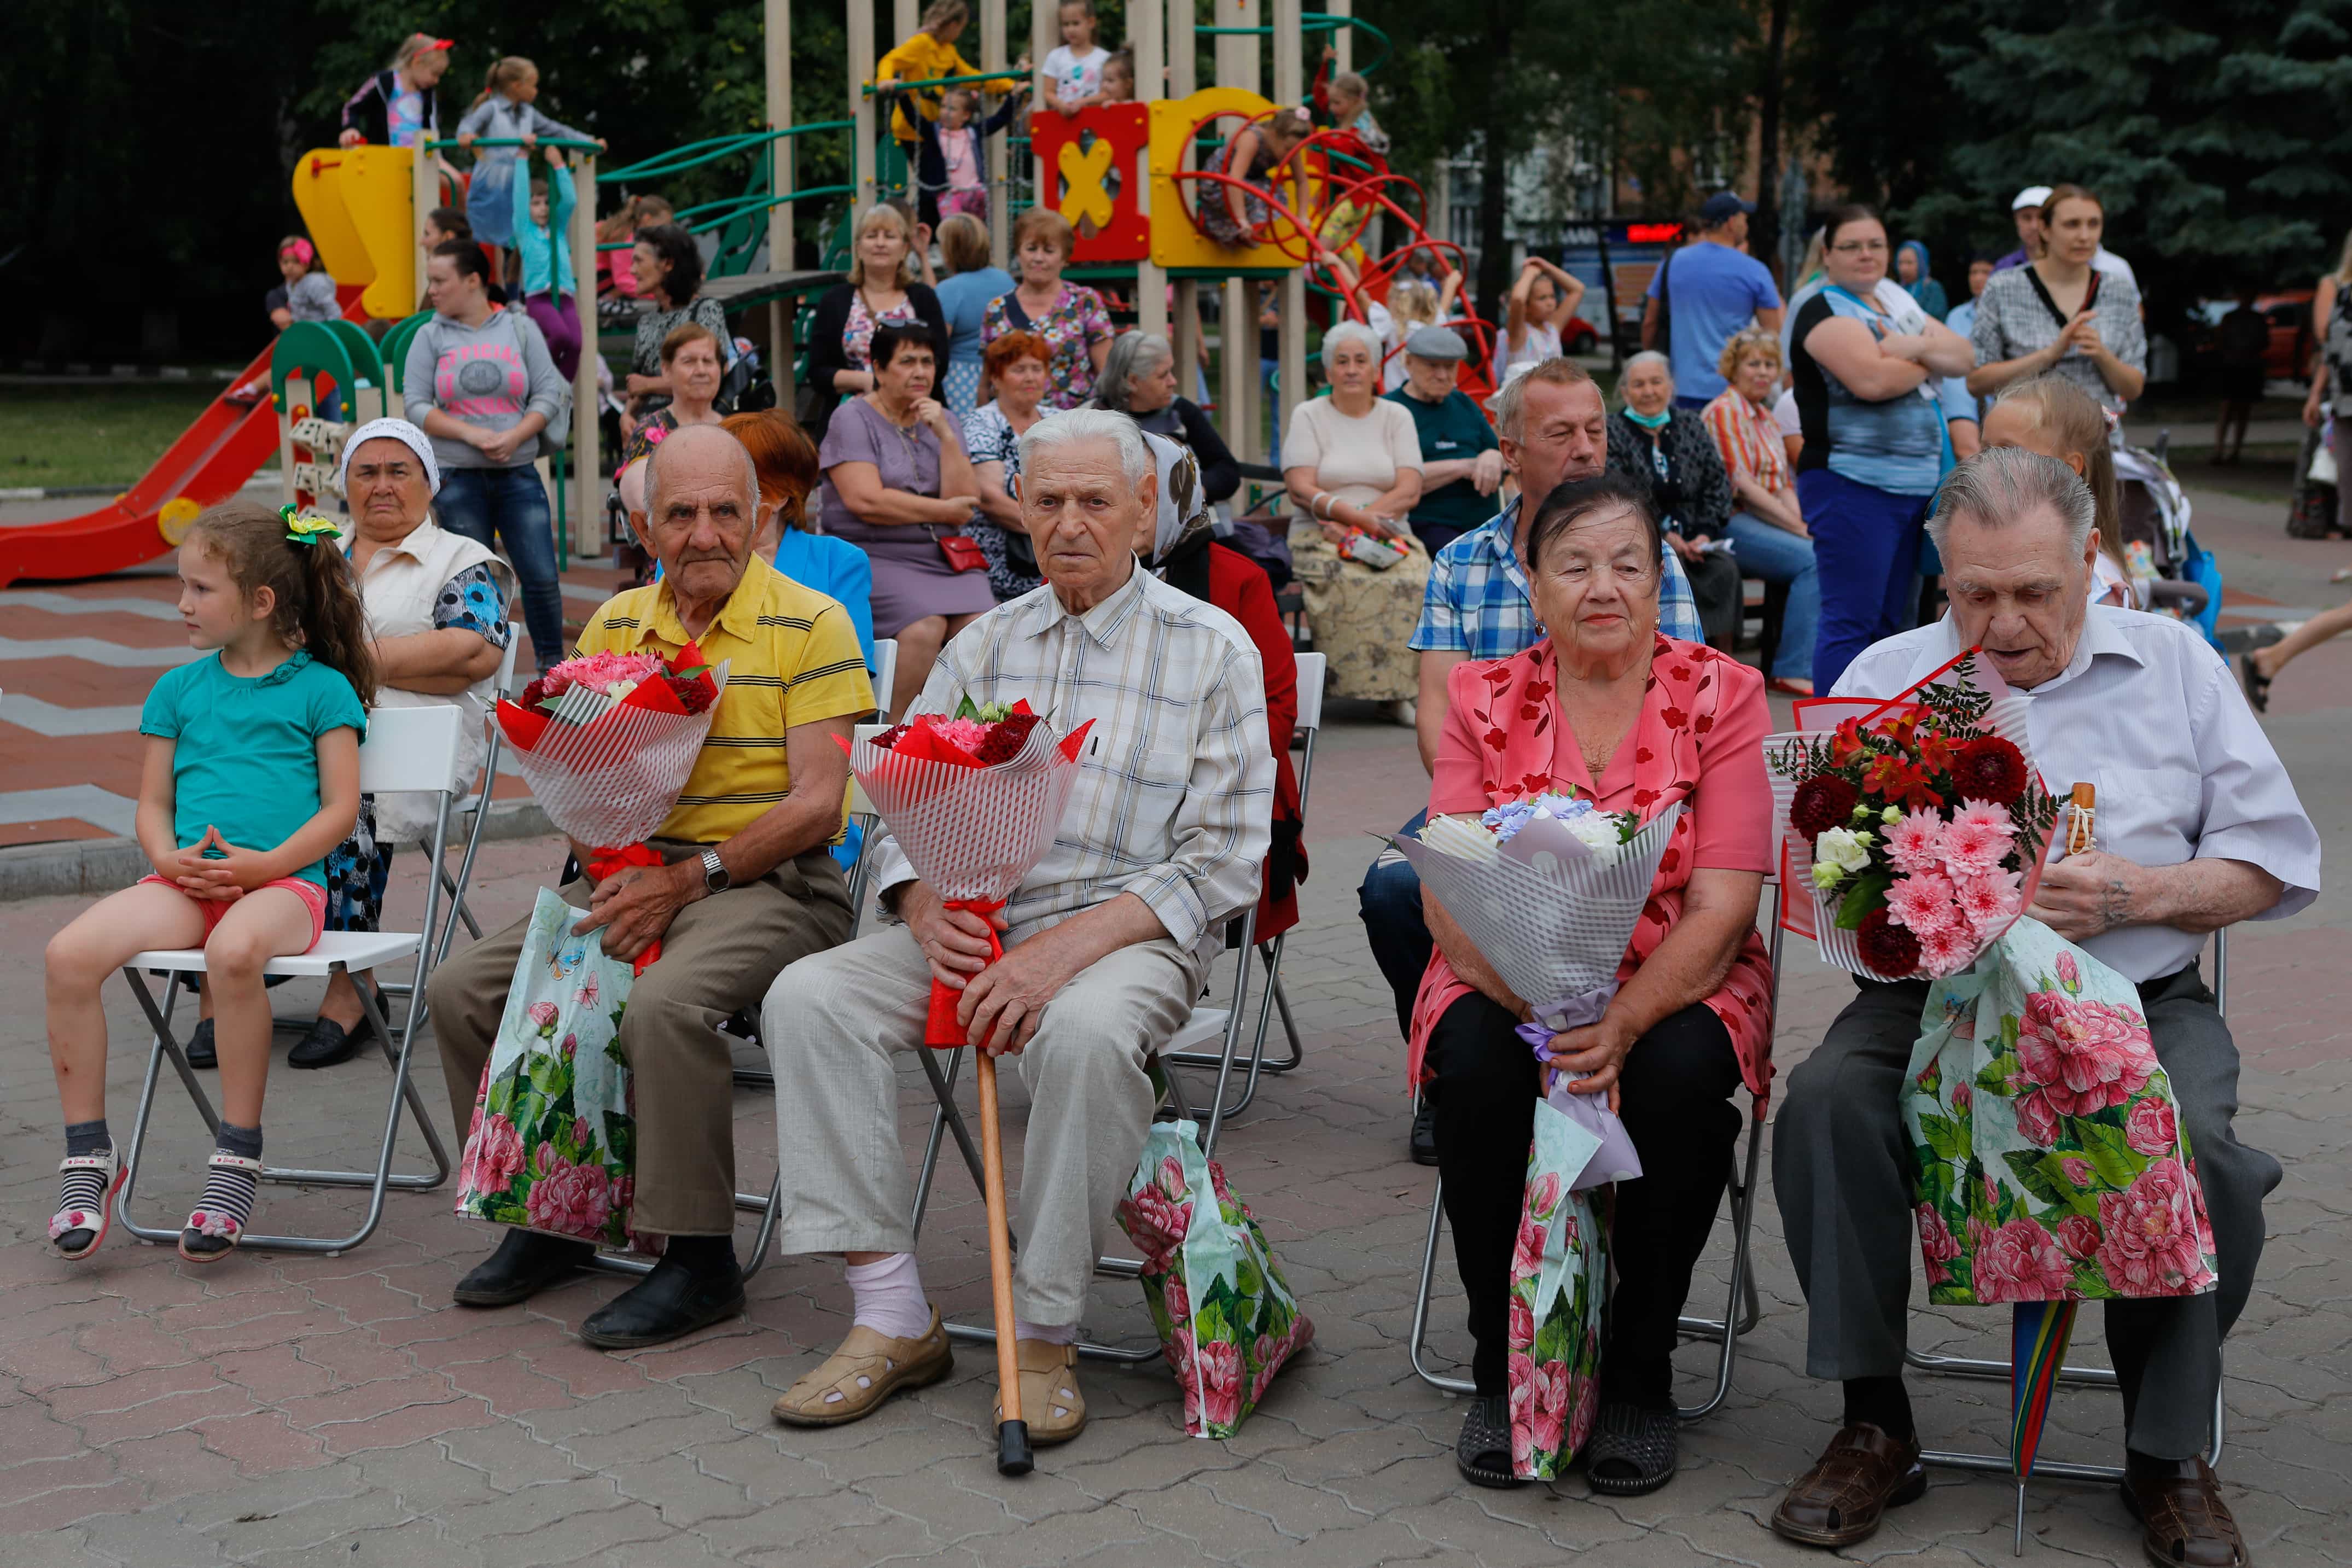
1316,23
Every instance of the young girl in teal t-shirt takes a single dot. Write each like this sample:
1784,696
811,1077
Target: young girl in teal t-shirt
252,775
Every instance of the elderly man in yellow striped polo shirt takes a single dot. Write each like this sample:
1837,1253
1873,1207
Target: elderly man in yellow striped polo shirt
748,886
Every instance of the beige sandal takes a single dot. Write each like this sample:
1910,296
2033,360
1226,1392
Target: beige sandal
867,1368
1052,1405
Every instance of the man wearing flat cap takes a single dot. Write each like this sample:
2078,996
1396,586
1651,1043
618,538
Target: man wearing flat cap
1462,461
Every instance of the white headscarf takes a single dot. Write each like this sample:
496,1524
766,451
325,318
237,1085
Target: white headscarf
1183,507
398,430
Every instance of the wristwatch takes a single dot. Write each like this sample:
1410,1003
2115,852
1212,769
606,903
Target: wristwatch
714,872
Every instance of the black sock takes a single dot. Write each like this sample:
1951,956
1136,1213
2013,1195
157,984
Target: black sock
242,1142
1880,1402
87,1138
2148,1466
703,1254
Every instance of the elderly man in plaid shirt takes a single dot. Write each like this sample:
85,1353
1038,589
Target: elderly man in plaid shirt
1107,942
1554,428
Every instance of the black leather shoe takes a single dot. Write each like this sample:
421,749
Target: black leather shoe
525,1264
1424,1132
200,1046
669,1303
330,1044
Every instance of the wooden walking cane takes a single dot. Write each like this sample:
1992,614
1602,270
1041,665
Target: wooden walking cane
1013,1455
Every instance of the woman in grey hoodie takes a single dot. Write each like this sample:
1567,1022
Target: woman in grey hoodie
479,381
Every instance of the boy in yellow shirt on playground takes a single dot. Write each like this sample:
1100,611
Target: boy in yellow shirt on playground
930,55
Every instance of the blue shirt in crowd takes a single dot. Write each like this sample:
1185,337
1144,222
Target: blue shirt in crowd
1477,603
246,758
963,300
1712,291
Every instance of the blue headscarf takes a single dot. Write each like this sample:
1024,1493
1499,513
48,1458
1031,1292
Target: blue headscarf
1926,290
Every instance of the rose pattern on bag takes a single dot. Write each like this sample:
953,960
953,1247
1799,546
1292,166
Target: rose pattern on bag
1559,1283
552,1146
1227,1322
2051,1161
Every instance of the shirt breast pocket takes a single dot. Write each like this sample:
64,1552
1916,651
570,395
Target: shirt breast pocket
2150,815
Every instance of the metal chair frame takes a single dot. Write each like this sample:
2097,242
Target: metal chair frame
1207,1022
1742,1308
2076,1377
411,749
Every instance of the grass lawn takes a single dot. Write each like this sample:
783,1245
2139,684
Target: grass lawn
92,433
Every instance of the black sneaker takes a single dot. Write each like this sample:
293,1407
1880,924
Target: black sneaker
1424,1132
200,1051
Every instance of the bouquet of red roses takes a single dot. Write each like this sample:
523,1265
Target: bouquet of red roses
1917,823
973,799
607,741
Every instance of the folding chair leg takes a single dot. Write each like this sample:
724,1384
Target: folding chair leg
404,1092
745,1202
2060,1469
1742,1309
1417,1343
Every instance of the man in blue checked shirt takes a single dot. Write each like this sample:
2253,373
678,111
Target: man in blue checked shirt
1554,428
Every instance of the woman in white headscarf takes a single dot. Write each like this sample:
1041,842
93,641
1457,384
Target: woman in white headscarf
437,611
1182,549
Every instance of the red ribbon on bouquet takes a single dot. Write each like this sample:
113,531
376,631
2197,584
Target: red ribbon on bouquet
606,861
940,1030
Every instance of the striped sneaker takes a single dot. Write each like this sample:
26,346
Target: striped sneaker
86,1185
231,1184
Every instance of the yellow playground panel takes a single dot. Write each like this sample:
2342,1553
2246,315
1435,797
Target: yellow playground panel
359,204
1176,240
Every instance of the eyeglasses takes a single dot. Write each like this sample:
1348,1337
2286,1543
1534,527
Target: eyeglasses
1859,246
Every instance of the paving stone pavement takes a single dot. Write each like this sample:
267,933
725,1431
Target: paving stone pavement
293,1410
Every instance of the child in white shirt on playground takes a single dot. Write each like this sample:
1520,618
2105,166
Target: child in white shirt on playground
1074,70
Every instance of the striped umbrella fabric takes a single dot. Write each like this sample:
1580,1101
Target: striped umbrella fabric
2038,1336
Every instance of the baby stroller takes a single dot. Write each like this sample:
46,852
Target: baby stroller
2155,514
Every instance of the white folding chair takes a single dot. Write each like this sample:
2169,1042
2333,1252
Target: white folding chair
1742,1308
886,669
407,749
1207,1025
478,804
2078,1377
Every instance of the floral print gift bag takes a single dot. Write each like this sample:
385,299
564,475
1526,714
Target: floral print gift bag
1227,1320
2053,1165
1560,1280
554,1145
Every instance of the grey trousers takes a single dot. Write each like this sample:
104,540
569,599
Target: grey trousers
1842,1168
718,954
831,1022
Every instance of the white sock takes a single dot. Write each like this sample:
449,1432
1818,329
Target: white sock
1062,1334
891,1298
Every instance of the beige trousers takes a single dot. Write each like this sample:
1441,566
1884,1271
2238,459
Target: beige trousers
718,957
831,1022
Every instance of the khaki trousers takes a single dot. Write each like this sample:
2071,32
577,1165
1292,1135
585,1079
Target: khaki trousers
718,957
831,1022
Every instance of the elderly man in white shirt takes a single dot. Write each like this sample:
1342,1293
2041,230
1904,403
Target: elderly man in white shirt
2199,829
1106,943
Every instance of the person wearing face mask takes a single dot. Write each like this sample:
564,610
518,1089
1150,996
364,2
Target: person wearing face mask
1867,362
2198,829
1554,428
1666,454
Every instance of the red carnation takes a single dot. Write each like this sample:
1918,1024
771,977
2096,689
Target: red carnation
1823,801
532,696
1005,739
1990,768
1886,949
890,736
695,692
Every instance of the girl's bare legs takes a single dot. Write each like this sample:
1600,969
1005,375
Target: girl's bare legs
79,960
2268,662
266,924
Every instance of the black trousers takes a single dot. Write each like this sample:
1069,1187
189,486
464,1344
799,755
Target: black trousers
1677,1104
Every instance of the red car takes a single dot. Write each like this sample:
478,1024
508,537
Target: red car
2288,311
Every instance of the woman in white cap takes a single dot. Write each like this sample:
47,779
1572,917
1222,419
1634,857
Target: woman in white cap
437,614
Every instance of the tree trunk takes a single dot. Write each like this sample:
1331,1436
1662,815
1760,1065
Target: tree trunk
1764,229
1494,168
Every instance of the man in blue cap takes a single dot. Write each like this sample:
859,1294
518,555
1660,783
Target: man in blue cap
1703,293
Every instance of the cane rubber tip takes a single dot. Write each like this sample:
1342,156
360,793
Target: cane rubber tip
1012,1456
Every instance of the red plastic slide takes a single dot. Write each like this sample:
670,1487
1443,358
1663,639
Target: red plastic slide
225,446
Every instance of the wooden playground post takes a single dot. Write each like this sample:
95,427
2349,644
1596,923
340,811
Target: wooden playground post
1146,36
778,34
904,17
1044,37
425,195
1289,91
1343,37
588,514
861,110
1000,165
1237,56
1184,81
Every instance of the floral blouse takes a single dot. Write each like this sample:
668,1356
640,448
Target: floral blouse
858,336
1072,326
1698,741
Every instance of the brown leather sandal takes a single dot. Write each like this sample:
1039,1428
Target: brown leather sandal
2184,1523
1862,1474
867,1368
1052,1403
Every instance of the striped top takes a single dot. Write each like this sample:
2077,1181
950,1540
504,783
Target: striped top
1174,799
793,659
1750,440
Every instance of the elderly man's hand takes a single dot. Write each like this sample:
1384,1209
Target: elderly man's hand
1597,1050
954,941
2088,894
635,905
1002,1006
